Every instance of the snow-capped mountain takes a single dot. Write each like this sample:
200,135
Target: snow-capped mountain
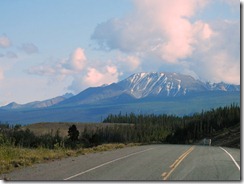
141,85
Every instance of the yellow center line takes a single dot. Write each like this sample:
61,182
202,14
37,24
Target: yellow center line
185,153
165,175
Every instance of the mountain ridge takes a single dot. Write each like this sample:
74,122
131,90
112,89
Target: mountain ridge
140,93
143,85
38,104
136,86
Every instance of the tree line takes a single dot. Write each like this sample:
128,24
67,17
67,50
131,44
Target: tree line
179,130
129,128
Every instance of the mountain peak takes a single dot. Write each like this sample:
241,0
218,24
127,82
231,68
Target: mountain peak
12,105
144,84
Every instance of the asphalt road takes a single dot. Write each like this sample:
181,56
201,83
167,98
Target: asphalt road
148,163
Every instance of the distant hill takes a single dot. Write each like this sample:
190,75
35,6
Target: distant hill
38,104
141,93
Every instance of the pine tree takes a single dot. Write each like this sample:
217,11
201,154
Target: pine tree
73,133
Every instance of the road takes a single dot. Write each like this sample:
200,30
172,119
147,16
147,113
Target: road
141,163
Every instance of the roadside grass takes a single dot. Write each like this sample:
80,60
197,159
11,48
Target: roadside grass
13,157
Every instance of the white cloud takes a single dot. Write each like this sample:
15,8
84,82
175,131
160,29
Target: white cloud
83,72
73,64
219,59
94,77
160,35
157,26
78,59
163,33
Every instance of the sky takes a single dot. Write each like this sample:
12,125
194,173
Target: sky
51,47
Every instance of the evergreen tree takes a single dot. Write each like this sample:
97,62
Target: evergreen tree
73,133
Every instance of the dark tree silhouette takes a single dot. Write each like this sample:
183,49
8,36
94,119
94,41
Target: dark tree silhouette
73,133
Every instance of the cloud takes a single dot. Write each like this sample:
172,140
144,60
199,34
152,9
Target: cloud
83,72
165,35
129,63
219,59
159,35
78,59
107,75
29,48
93,77
73,64
4,41
157,26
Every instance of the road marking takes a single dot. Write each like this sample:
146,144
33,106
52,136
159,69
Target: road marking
177,162
231,158
164,174
173,165
107,163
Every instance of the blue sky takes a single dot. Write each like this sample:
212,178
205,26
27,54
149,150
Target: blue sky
48,48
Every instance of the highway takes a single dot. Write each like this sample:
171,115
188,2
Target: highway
141,163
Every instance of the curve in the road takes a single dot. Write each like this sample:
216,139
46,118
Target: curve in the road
231,158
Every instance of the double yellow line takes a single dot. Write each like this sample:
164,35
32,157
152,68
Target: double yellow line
165,175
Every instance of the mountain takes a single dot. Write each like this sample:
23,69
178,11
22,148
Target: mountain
142,85
145,85
167,84
94,95
38,104
140,93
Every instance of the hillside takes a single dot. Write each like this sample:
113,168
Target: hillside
229,137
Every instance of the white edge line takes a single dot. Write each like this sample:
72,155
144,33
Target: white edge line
106,164
231,158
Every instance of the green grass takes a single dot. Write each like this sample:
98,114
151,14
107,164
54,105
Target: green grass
14,157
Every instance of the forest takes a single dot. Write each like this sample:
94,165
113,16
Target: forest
151,128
